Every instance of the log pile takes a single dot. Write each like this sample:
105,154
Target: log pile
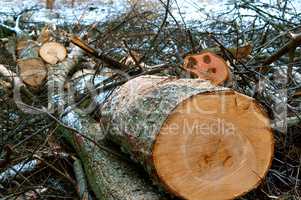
186,133
195,140
32,69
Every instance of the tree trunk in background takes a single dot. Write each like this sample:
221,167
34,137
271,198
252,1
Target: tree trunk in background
196,140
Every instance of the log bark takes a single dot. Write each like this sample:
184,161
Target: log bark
57,75
195,140
110,177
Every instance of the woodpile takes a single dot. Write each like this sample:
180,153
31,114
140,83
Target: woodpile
194,139
149,104
32,69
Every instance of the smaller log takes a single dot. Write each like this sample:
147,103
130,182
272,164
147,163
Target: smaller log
208,66
57,75
32,71
53,52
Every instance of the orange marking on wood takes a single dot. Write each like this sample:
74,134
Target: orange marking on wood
209,66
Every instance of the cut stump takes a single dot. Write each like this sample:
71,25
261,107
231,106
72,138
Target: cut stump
208,66
196,140
53,52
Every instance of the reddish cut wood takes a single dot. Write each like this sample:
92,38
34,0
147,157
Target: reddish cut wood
214,156
208,66
196,140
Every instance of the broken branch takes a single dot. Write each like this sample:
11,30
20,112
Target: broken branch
112,63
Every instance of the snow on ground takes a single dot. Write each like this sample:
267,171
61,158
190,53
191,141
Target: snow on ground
84,11
89,11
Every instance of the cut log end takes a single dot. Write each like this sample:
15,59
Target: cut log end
196,140
53,52
219,145
33,72
208,66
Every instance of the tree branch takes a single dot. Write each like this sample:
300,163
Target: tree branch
296,41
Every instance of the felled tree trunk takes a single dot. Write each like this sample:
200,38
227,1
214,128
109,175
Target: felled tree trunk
57,75
110,177
195,140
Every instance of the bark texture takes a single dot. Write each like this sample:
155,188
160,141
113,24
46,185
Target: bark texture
110,177
57,75
137,110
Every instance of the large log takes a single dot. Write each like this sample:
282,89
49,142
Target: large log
196,140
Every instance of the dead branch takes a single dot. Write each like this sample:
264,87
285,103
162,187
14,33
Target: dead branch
112,63
292,44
